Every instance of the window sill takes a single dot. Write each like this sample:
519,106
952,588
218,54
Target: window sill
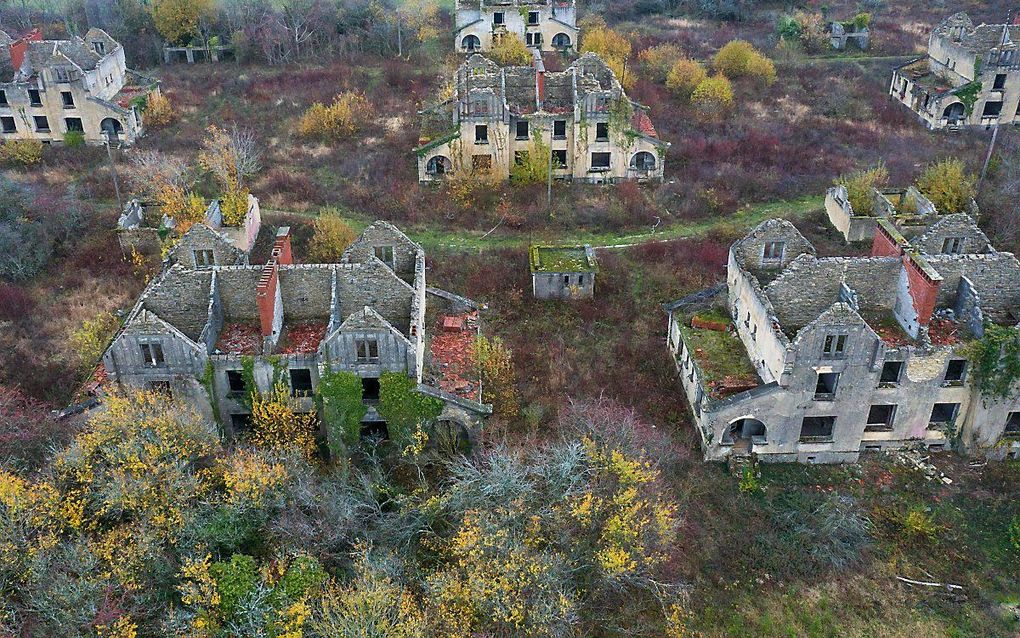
601,139
952,384
824,397
888,385
878,428
521,139
599,170
815,439
559,137
482,143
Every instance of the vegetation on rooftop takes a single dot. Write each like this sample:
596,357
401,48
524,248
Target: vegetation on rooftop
559,259
860,185
949,185
720,355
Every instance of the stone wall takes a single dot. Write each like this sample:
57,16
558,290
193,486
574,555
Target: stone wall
749,251
995,277
960,225
384,234
201,237
181,298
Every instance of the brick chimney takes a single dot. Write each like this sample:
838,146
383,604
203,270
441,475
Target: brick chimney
888,242
281,247
269,301
20,46
924,284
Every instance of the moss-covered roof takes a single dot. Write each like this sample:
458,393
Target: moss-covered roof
562,259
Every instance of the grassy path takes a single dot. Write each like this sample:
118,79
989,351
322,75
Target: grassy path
475,240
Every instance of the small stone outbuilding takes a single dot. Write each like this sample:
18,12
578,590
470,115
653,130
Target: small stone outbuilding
563,272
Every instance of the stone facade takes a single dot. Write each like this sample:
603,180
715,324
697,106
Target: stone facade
547,25
852,354
52,87
970,77
193,329
592,131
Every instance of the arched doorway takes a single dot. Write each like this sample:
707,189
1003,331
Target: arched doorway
561,41
954,112
450,437
643,161
438,166
741,433
111,127
471,43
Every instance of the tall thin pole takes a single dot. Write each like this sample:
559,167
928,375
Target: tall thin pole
548,191
113,170
998,118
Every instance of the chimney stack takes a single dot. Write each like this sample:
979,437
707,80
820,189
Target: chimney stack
281,247
269,302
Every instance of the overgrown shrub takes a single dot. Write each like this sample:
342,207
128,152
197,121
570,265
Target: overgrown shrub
713,97
659,60
91,338
74,139
331,236
859,186
509,49
23,152
338,120
684,77
613,48
740,59
158,111
948,185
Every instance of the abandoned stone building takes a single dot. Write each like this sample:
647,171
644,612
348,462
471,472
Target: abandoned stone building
819,359
563,272
194,330
907,209
49,88
581,117
845,35
145,229
970,77
548,25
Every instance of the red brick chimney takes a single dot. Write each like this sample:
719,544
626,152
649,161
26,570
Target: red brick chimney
281,247
267,297
924,284
888,242
20,46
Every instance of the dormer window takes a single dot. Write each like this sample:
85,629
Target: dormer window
952,246
835,346
773,252
385,255
62,74
100,47
152,354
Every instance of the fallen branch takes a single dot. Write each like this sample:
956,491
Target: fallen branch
921,583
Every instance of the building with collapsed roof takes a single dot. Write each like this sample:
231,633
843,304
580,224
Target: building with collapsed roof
499,115
970,76
49,88
197,332
818,359
547,25
144,229
907,209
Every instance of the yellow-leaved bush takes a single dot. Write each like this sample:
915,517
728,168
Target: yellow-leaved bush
335,121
